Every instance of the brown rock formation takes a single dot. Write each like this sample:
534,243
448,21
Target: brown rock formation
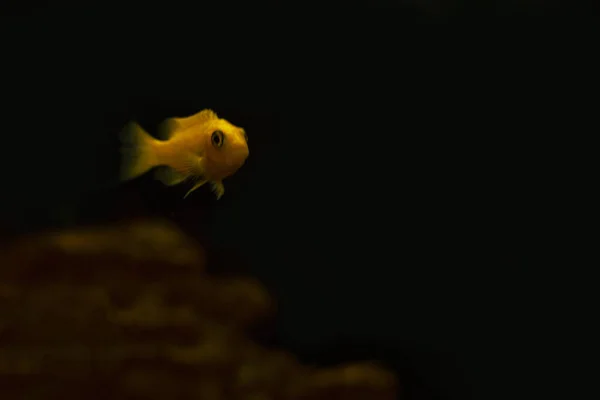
127,312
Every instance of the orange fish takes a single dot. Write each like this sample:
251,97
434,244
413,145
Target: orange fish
201,148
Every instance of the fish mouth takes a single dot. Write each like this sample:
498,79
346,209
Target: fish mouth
242,154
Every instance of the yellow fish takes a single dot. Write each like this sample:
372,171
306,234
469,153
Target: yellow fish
201,148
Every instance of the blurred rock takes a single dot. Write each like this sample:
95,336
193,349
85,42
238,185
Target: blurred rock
129,312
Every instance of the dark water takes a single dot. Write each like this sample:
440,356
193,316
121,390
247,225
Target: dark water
378,203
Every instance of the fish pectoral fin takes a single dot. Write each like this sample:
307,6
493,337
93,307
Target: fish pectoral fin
218,188
169,176
191,164
196,186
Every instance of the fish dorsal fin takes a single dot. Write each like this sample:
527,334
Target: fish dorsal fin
171,125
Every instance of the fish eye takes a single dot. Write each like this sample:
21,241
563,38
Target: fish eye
217,138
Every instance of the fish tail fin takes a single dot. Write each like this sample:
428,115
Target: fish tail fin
138,152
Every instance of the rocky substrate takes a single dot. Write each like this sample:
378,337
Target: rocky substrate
128,312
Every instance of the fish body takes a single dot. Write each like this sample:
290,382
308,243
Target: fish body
201,148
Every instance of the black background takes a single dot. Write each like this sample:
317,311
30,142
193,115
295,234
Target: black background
390,186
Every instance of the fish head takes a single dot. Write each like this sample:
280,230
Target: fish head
226,149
